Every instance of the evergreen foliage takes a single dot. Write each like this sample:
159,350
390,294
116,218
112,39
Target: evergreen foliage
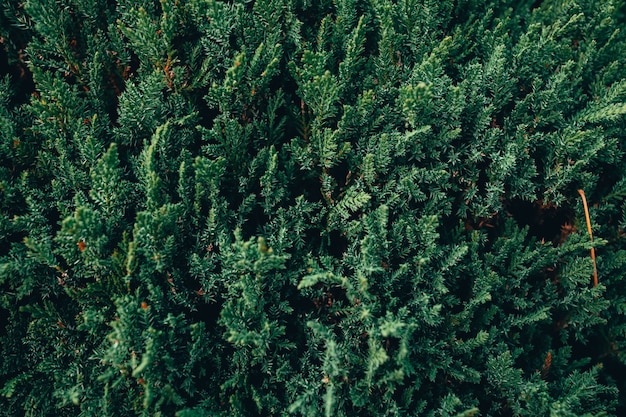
287,207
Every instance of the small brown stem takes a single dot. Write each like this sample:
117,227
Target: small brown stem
593,252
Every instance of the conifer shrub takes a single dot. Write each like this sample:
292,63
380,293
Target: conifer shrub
312,208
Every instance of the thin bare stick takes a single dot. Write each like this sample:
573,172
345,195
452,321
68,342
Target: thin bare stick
593,252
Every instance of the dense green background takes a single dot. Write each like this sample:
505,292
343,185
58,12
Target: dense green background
294,207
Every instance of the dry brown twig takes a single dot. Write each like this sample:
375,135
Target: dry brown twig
593,252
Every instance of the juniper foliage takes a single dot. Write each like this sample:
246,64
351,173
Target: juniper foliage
286,207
